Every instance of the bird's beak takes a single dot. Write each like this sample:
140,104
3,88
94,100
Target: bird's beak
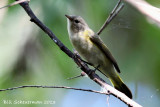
69,17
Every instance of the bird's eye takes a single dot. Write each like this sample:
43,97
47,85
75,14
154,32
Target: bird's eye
76,21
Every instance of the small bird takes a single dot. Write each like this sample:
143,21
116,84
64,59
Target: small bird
90,46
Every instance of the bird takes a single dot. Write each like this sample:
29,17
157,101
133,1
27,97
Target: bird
93,50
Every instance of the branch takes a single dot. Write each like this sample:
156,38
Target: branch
14,3
83,66
151,12
64,87
111,16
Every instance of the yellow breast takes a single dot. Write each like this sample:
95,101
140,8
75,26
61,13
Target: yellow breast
87,49
85,36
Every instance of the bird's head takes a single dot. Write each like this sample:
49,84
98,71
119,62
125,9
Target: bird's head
76,23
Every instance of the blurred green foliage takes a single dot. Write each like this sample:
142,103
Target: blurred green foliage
29,57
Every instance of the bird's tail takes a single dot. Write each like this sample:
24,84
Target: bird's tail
119,85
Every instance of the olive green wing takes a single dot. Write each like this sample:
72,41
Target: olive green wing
99,43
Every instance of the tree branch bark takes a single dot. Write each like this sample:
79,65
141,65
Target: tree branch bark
14,3
111,16
83,66
63,87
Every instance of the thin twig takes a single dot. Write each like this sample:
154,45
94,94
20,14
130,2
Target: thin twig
81,75
111,16
14,3
64,87
116,7
77,76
